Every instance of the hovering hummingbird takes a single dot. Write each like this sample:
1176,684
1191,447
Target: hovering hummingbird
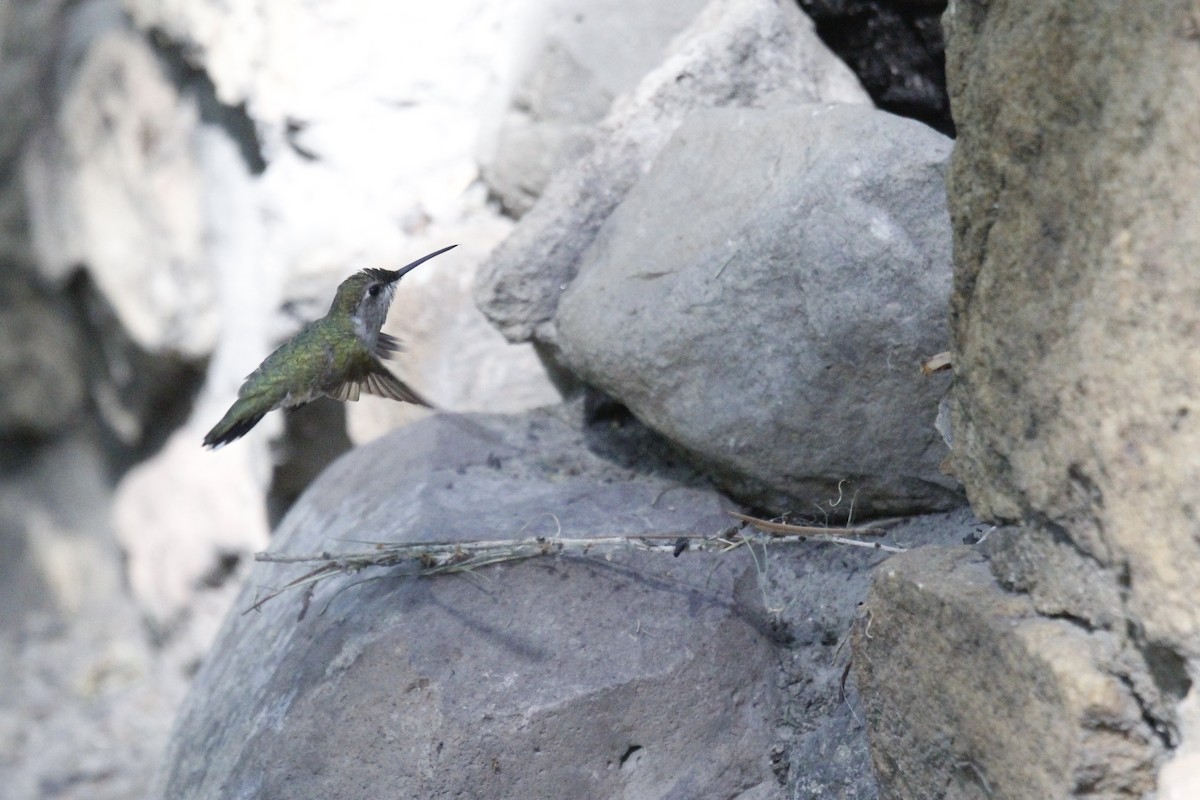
337,356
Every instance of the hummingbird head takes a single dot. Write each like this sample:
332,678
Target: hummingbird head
366,295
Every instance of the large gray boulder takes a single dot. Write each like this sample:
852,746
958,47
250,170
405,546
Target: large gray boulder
736,53
641,677
764,296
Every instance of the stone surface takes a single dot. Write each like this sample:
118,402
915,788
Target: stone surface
367,115
578,677
1060,581
185,518
139,396
41,380
736,53
87,698
114,184
29,44
969,693
1075,291
815,593
771,319
896,49
574,59
1076,302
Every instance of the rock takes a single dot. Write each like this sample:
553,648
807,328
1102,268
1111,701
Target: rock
969,693
87,700
367,117
736,53
1060,581
185,519
817,591
576,58
138,396
896,49
1180,778
41,379
1076,225
115,185
772,322
31,41
634,677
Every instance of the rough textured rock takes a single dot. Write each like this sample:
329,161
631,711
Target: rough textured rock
1077,298
575,58
41,381
1075,290
806,274
969,693
817,591
736,53
896,49
579,677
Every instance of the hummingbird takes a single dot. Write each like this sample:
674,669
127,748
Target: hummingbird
337,356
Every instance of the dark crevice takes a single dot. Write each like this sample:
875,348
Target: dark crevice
1164,731
1167,667
1080,622
633,748
293,130
222,569
1169,670
896,49
234,120
157,390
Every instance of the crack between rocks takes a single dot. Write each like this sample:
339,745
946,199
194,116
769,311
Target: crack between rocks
1162,730
1080,622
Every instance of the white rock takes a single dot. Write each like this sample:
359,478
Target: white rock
114,184
178,514
574,58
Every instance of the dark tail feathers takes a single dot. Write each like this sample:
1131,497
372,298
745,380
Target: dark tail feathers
233,425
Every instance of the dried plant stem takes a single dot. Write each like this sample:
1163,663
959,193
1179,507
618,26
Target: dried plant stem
434,558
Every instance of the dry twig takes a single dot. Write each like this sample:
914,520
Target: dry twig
434,558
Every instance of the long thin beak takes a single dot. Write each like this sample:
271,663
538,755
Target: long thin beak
400,273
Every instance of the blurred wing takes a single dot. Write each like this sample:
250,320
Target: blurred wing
382,383
378,381
387,346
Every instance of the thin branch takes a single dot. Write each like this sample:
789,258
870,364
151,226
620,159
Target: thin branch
805,530
435,558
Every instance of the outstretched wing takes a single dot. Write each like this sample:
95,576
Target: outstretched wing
378,381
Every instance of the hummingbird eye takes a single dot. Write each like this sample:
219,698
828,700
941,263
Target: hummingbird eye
374,290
